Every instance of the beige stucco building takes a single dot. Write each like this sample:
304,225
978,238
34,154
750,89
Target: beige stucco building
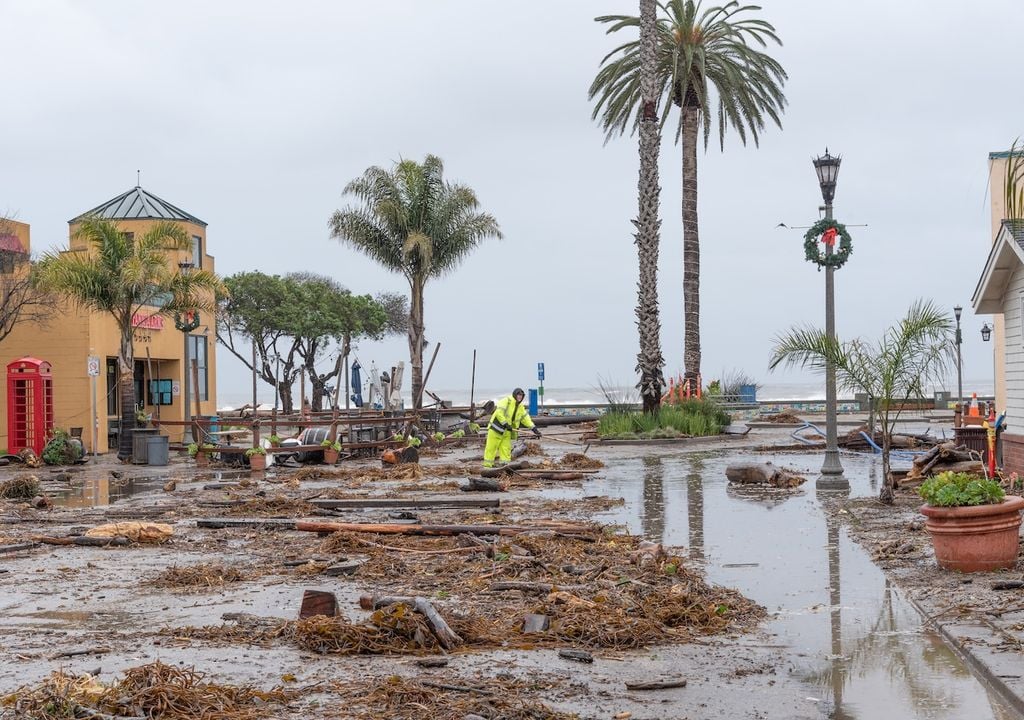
73,336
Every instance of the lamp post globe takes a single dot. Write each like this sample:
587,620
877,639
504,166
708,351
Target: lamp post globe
827,168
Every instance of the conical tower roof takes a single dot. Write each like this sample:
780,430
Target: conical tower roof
137,204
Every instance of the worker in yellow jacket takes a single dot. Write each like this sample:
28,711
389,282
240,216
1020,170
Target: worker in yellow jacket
508,416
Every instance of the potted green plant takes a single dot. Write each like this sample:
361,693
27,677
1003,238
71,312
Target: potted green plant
332,451
257,458
973,523
201,453
275,441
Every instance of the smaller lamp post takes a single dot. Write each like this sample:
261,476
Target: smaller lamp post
959,363
186,323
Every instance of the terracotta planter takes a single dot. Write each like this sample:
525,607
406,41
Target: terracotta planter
257,462
976,538
202,459
330,456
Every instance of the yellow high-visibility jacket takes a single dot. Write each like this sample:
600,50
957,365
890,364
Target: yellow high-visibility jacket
509,416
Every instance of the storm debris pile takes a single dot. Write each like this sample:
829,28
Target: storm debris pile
197,578
23,487
155,691
401,698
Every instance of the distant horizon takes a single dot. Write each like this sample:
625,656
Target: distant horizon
592,395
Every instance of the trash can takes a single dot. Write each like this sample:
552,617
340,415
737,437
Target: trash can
748,394
157,449
975,438
140,449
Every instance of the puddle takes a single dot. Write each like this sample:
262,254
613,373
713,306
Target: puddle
851,635
97,492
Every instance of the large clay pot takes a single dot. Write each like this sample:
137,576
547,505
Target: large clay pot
331,456
976,538
257,462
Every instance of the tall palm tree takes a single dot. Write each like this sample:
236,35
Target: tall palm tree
122,274
911,354
700,52
412,221
649,361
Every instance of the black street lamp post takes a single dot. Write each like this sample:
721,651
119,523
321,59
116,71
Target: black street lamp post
832,478
959,363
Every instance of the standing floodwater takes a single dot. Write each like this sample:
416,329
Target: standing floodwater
845,629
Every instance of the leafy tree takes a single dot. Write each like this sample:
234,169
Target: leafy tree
700,53
910,355
20,299
649,361
412,221
121,275
300,318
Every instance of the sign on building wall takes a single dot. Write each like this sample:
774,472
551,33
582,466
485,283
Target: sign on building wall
149,322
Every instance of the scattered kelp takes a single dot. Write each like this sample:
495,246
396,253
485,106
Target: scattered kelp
155,691
197,578
392,630
399,698
23,487
271,507
579,461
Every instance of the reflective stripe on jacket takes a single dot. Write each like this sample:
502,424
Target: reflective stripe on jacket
509,416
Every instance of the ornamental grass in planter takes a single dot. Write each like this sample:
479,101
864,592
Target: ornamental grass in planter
974,525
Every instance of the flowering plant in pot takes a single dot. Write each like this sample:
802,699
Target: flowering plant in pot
332,451
201,453
257,458
973,523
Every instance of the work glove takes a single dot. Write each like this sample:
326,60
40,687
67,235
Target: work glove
536,432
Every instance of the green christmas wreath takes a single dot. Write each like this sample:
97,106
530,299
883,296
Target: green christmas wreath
814,235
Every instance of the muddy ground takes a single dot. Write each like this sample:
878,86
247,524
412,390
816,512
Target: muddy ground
224,602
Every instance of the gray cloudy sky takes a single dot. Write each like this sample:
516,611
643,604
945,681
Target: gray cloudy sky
253,116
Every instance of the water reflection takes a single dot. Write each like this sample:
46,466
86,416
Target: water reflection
871,657
695,507
99,491
652,516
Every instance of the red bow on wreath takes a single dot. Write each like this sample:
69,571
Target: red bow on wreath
829,237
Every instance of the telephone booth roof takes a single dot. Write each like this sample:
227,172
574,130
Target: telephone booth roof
41,365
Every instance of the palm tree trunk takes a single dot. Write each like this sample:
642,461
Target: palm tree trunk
691,249
126,382
887,494
649,361
416,341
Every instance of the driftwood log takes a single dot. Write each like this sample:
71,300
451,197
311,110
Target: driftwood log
945,456
445,635
763,474
483,485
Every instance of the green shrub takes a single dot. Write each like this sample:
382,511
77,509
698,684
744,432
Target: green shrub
474,427
331,445
958,489
438,436
60,450
255,451
696,418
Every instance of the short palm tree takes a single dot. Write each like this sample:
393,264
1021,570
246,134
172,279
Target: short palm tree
122,275
911,354
701,53
412,221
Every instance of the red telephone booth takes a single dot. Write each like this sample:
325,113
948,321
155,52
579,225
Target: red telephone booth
29,404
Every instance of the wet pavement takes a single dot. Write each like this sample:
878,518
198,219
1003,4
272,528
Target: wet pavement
852,641
848,632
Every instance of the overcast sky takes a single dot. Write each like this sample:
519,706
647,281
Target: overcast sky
254,115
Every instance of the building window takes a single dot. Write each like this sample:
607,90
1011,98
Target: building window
7,260
197,352
112,390
159,392
197,252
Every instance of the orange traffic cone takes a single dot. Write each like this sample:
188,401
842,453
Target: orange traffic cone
973,409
